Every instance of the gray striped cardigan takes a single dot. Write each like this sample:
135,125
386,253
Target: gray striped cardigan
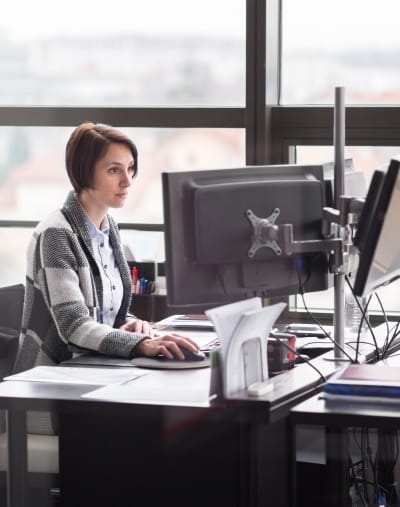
64,293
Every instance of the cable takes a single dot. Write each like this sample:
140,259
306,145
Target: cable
389,342
299,261
361,477
361,480
375,472
386,321
395,335
363,317
356,482
364,445
386,457
327,335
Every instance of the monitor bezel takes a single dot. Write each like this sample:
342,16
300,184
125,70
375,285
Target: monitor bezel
175,188
361,236
363,287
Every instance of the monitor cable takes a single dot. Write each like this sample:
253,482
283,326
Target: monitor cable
394,332
387,454
388,340
315,320
362,467
363,319
359,482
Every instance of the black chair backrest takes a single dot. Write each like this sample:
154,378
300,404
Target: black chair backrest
11,307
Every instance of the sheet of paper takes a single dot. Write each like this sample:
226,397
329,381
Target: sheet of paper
225,319
243,328
186,322
184,387
246,356
77,375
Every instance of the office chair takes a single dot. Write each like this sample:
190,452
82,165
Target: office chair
11,306
42,449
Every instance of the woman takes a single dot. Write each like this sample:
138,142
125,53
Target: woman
78,286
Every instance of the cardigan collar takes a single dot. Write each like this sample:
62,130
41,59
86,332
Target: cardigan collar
77,217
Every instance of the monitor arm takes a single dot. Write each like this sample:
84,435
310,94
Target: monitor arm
336,233
279,238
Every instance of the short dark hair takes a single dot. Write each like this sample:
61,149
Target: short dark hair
86,145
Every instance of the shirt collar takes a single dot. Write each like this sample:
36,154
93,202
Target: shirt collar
94,232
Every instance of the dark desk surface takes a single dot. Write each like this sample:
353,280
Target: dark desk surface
66,398
290,388
336,417
220,446
317,411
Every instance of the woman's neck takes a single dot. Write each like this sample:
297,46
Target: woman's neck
94,211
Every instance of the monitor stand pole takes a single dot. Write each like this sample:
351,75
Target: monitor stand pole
339,277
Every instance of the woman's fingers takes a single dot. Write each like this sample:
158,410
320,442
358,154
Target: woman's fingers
139,326
168,345
182,339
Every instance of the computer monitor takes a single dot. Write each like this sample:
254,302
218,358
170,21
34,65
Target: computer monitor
361,236
379,262
208,234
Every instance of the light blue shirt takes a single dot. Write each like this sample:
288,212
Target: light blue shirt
110,275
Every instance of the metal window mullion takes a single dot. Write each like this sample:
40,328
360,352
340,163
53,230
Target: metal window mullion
255,81
178,117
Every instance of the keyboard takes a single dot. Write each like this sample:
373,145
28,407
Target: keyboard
210,346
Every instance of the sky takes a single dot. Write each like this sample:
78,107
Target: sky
94,16
326,24
345,23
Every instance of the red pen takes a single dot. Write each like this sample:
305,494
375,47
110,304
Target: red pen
135,275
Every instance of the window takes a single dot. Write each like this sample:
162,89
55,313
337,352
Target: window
350,43
365,158
170,74
188,81
135,53
32,165
33,181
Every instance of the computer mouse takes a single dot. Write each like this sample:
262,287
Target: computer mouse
189,355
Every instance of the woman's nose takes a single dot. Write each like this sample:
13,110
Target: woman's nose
126,180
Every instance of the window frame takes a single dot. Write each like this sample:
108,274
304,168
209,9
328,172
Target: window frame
272,131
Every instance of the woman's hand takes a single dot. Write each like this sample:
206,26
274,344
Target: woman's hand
139,326
168,345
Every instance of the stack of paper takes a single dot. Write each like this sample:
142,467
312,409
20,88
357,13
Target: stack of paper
191,321
242,329
365,382
76,375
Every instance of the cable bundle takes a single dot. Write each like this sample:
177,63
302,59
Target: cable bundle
372,478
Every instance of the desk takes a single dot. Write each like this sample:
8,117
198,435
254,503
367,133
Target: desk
234,452
336,419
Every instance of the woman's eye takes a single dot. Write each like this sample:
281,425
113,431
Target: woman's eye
113,170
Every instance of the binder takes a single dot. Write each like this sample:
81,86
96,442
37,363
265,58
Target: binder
365,382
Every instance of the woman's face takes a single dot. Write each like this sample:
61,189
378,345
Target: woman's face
112,177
